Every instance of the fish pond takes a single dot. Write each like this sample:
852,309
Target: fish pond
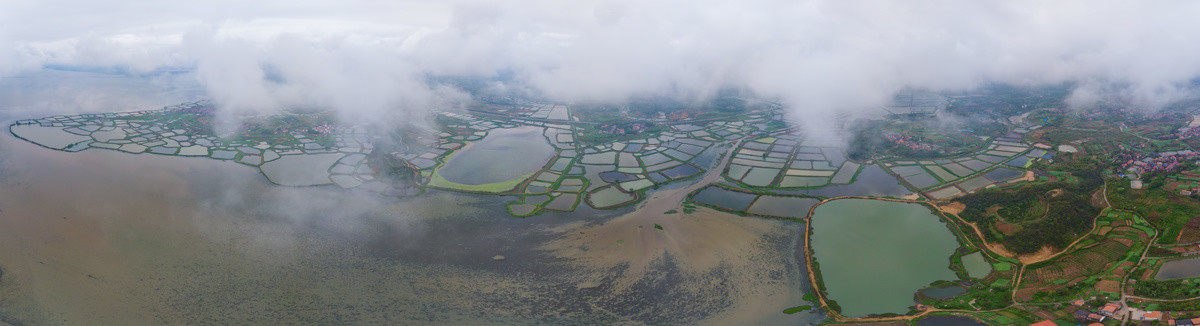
871,181
503,155
874,255
976,265
725,198
1184,268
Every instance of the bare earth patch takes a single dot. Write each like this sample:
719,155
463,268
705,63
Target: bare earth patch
1109,286
1042,254
952,208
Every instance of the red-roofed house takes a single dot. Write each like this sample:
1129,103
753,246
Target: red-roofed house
1044,323
1110,308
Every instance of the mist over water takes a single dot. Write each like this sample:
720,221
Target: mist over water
121,238
116,238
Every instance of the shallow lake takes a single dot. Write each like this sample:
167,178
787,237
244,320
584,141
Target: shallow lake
874,255
610,196
976,266
794,207
725,198
1186,268
871,181
301,170
52,137
943,293
503,155
1000,174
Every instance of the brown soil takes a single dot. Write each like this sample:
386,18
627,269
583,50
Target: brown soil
1046,275
1188,236
1042,254
992,210
1029,176
952,208
1027,294
1098,199
1006,228
1109,286
1190,232
1148,274
1001,250
1174,185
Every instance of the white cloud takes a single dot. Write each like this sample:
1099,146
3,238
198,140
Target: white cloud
366,58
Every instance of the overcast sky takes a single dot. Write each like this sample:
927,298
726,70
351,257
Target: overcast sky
371,57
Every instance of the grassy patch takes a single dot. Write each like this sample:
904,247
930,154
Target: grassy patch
796,309
810,297
499,187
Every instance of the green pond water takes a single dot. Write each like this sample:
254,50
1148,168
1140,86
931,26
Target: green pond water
976,265
503,155
874,255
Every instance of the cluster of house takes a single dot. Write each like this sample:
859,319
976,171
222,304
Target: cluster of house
1105,312
1128,114
1184,322
907,140
197,108
1141,163
680,115
1185,133
324,129
1112,310
622,129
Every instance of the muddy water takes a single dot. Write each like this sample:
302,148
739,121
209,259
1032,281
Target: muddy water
103,237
